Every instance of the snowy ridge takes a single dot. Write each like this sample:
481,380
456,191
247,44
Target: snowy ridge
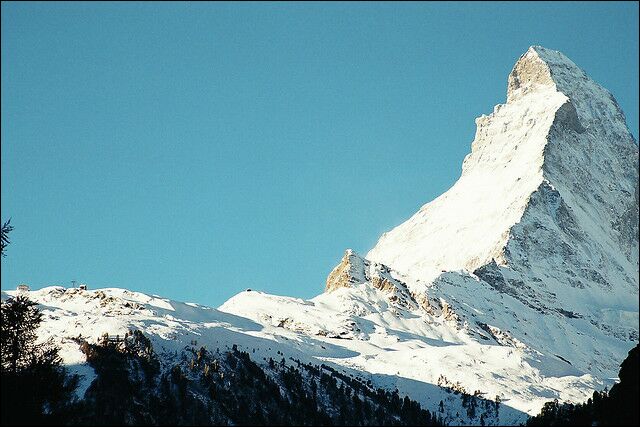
316,332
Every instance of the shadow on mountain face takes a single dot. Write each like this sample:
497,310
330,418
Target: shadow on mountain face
369,327
553,366
187,313
429,396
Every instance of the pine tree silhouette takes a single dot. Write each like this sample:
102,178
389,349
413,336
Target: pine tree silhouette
35,386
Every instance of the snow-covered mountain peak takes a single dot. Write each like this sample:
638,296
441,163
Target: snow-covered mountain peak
520,281
545,211
540,69
533,251
559,129
529,74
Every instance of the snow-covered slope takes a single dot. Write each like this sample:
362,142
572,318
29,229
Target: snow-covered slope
315,332
521,281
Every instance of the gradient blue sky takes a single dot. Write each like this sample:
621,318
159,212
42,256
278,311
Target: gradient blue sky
194,150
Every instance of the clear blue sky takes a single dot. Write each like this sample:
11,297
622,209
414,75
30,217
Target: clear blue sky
193,150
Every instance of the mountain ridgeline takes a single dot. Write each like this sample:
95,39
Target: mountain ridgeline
516,287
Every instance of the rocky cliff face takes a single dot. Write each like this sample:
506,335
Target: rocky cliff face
351,270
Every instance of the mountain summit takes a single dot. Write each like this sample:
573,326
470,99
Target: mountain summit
517,285
544,215
546,209
560,144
